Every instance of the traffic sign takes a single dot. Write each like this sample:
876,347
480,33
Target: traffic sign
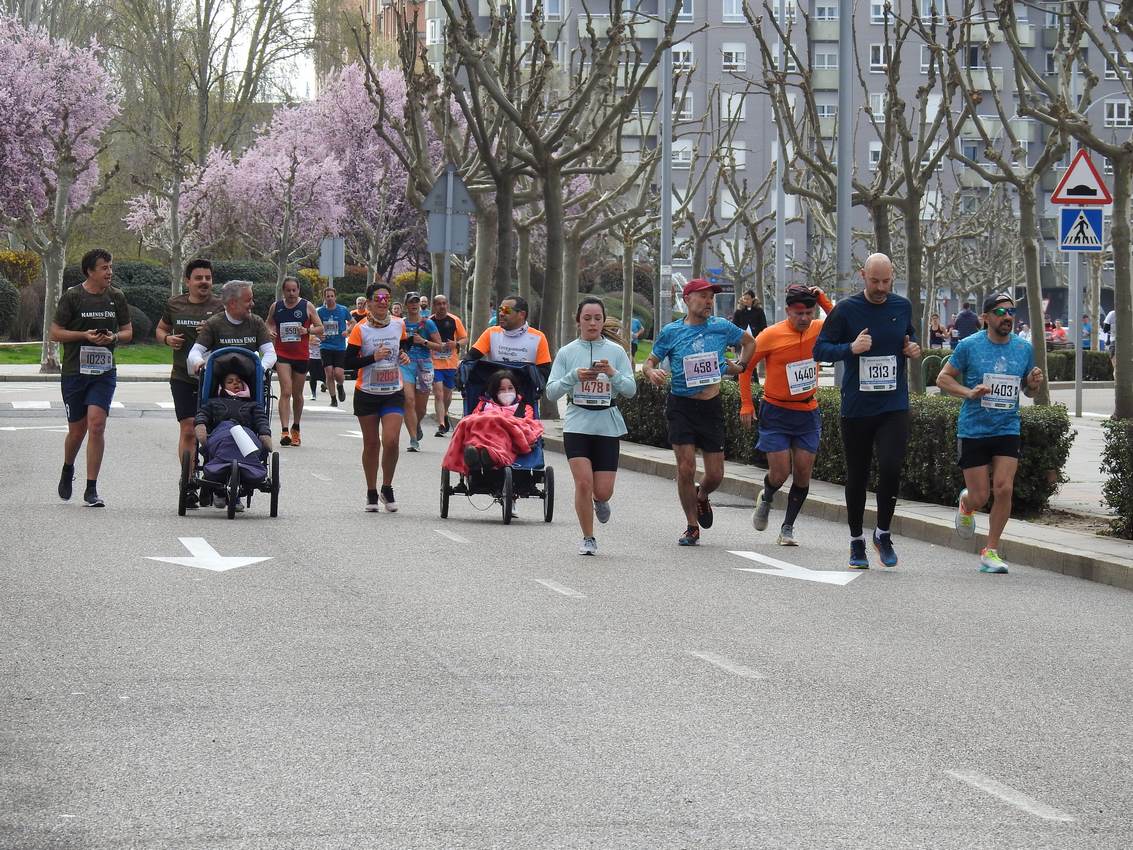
1080,229
332,257
1081,185
437,199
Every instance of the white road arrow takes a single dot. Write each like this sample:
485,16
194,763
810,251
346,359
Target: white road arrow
204,557
782,568
54,428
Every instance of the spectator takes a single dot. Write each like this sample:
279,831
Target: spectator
966,324
936,332
749,316
1058,333
1086,329
1024,332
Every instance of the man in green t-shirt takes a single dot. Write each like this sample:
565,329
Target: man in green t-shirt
90,320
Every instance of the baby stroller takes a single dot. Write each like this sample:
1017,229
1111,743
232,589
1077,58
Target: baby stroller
527,477
231,479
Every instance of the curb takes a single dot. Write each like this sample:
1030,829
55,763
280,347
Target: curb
1032,544
46,379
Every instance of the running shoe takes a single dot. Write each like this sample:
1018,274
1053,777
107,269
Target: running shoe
787,536
703,510
858,559
691,536
965,521
313,397
588,546
414,445
333,401
285,440
602,511
471,458
91,499
386,498
322,388
420,433
66,486
761,513
191,502
990,562
372,505
884,545
341,393
295,441
441,431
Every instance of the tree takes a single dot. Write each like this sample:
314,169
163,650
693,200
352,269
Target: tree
58,101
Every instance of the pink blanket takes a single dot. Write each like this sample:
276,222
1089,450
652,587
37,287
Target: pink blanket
504,435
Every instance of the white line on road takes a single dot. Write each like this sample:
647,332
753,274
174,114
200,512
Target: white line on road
54,428
31,405
355,434
116,405
165,405
1010,795
724,664
455,538
320,476
559,588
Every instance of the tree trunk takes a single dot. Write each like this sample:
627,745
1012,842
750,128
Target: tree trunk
504,284
54,259
914,249
931,257
883,243
176,255
572,253
485,265
1028,237
1093,302
627,291
697,258
1122,291
760,281
553,275
523,268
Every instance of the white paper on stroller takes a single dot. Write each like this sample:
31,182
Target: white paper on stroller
244,441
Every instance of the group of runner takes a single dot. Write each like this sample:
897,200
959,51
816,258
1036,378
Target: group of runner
401,360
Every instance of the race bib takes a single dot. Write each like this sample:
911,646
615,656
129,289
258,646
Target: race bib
95,360
594,393
802,376
1004,393
330,326
382,378
290,332
877,374
314,348
701,369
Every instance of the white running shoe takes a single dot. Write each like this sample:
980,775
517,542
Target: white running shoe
761,513
965,522
602,511
588,546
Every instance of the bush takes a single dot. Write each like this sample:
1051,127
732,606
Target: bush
932,364
149,299
1095,366
72,276
9,304
29,319
931,473
315,281
263,296
257,272
143,327
607,277
1117,465
353,281
20,268
412,280
128,274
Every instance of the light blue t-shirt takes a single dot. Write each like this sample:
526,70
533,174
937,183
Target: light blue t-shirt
335,342
1002,366
425,327
603,421
635,326
690,349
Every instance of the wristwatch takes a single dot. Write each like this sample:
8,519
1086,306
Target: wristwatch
742,364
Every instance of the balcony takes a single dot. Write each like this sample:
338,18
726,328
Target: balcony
982,78
969,179
824,30
981,32
825,79
826,127
642,27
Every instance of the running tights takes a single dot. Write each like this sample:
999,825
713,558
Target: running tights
888,433
315,374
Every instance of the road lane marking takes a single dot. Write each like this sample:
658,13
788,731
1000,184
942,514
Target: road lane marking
116,405
355,434
455,538
560,588
54,428
320,476
31,405
204,557
165,405
789,570
1010,795
725,664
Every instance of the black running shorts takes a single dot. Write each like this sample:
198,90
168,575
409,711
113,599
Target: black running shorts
694,421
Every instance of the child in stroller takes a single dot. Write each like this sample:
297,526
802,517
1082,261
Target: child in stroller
222,424
499,429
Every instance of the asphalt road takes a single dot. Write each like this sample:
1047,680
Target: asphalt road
379,683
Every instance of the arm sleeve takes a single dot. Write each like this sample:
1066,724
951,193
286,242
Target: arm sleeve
167,315
826,347
825,303
196,356
910,329
64,311
354,358
460,333
267,355
562,376
661,346
735,333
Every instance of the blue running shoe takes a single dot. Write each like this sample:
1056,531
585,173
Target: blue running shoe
858,559
884,546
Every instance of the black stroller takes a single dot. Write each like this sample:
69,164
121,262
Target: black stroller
233,480
528,477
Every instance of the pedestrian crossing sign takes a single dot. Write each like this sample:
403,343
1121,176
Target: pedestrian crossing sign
1080,229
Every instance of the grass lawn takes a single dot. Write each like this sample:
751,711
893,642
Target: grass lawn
28,354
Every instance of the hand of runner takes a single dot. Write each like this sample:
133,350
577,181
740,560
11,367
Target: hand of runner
200,367
175,341
1034,378
584,374
403,358
863,343
603,367
274,334
655,376
979,391
911,349
747,419
94,337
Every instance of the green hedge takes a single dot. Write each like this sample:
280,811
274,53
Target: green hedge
127,275
9,304
1117,464
149,299
1095,366
931,474
257,272
263,296
143,327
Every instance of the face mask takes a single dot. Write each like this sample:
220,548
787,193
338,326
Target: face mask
506,397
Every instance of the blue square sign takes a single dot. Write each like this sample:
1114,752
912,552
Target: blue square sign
1080,229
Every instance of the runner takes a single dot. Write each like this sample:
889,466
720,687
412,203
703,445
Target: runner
789,421
90,320
987,370
513,340
636,330
374,349
315,365
591,371
417,375
359,311
424,299
445,361
180,320
695,346
872,332
290,321
337,324
236,325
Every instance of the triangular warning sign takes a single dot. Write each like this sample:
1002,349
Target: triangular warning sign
1081,233
1081,185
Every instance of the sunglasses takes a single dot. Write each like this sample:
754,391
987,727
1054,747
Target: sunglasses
506,311
381,296
1003,311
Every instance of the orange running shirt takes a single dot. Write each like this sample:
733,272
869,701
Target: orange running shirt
527,347
783,347
382,377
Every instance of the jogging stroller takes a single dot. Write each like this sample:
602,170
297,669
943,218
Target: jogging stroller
237,477
528,476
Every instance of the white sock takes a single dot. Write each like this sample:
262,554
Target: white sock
877,532
860,537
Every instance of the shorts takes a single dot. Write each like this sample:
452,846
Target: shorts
334,358
368,404
184,399
978,451
602,451
445,376
694,421
781,428
419,375
299,367
82,391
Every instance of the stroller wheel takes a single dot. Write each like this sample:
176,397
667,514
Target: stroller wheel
446,491
507,495
186,483
274,484
233,489
548,494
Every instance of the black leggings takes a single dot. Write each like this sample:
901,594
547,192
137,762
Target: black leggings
889,433
314,374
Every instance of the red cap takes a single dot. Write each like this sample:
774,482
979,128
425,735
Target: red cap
699,285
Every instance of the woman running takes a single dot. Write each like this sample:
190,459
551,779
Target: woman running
374,349
592,372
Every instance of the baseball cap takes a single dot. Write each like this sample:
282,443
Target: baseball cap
998,298
699,285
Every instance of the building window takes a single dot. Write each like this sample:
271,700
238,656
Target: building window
926,58
1117,114
877,105
734,12
432,31
874,155
788,9
826,12
1051,68
1052,19
878,58
877,12
971,149
682,153
931,9
687,11
825,60
1107,165
734,156
972,56
682,110
788,58
969,204
728,208
732,106
682,56
826,110
1121,67
552,9
734,56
